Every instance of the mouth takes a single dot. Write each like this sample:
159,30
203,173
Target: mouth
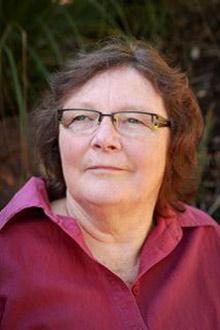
105,168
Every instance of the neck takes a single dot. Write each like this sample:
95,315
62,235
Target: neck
120,224
114,234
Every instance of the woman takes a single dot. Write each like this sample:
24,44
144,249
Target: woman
105,239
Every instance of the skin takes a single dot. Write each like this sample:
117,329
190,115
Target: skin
113,180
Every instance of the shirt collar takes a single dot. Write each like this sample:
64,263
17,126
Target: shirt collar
193,217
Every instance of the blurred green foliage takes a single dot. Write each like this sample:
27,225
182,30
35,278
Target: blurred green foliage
37,36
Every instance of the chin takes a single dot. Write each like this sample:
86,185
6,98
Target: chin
105,195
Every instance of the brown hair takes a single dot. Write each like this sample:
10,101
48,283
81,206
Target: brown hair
179,183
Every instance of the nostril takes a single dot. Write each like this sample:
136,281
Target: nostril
104,146
96,145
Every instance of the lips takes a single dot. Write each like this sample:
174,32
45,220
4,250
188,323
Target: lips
105,167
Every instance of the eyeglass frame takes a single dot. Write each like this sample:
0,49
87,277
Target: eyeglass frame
157,120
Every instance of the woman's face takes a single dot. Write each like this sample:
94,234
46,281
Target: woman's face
105,167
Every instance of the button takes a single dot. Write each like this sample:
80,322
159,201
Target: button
135,290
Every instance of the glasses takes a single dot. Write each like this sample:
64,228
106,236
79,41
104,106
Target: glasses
82,121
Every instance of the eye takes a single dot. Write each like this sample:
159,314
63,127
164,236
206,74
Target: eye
135,121
80,118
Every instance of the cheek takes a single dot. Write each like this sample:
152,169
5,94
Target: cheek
150,159
69,150
150,153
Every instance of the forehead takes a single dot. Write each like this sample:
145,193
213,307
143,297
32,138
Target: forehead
117,89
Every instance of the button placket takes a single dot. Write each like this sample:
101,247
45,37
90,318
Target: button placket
126,304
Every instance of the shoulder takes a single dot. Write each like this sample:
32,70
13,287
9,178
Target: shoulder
200,231
26,229
32,197
27,216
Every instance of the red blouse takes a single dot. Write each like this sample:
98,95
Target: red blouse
50,280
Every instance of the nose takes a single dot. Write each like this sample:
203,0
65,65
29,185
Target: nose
106,137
